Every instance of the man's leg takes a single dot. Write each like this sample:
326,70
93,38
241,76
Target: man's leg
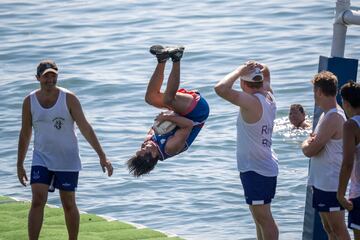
153,95
263,217
72,216
259,233
36,213
176,101
330,233
336,221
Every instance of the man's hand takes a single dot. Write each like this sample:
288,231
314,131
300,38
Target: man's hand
164,116
106,166
22,175
247,68
311,138
345,203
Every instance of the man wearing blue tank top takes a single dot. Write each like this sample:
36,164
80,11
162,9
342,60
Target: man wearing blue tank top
52,111
324,147
257,162
190,113
350,168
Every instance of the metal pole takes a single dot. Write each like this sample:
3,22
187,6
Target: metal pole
339,30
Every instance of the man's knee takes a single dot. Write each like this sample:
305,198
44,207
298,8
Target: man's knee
168,100
152,99
148,99
38,201
69,205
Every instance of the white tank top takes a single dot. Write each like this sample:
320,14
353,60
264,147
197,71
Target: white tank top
355,175
55,140
254,151
325,166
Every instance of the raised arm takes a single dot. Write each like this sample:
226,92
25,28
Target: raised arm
266,73
24,140
224,89
87,131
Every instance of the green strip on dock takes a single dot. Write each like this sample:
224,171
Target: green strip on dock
13,225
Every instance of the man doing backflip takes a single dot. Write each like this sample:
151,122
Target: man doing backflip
190,112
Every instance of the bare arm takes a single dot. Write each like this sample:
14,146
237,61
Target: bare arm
87,131
24,140
225,90
177,142
349,148
328,129
266,74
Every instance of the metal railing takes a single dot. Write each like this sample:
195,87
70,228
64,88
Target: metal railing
344,16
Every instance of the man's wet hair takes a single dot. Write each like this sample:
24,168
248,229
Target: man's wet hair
139,165
350,92
327,82
297,106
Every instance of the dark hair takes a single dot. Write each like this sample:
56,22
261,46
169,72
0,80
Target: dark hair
297,106
256,85
139,165
44,65
350,92
327,82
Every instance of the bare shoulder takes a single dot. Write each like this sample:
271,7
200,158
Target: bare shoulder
331,124
72,102
335,118
71,97
351,126
352,130
26,107
26,100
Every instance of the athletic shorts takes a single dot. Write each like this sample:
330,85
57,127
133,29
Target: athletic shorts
354,215
66,181
325,201
198,112
258,189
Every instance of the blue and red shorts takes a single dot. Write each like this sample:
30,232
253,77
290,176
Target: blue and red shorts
198,112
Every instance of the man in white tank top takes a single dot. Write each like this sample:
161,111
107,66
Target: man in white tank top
324,147
257,163
52,111
350,168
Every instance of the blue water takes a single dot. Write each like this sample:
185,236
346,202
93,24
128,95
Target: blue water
102,52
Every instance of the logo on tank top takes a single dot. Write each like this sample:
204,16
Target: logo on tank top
266,132
58,122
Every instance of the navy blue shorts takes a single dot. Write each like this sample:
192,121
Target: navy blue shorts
325,201
258,189
354,215
66,181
